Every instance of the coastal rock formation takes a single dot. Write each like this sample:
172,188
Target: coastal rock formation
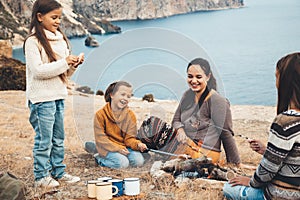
84,89
148,97
12,19
90,41
113,10
100,93
82,17
12,71
108,27
15,19
5,48
73,28
12,74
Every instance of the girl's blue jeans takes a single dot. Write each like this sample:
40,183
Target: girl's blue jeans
242,192
47,120
116,160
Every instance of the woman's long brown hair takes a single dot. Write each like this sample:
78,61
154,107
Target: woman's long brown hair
288,69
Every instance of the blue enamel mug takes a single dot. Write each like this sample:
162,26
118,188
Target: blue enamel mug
119,184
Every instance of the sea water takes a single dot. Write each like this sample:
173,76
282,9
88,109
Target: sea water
242,45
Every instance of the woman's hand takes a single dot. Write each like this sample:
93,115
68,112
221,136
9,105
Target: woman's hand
142,147
124,151
240,180
257,146
181,136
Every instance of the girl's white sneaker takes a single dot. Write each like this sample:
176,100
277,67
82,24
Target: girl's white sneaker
47,181
69,178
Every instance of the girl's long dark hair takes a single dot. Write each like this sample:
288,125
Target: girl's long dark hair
211,84
288,69
36,28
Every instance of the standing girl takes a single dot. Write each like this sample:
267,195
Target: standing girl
115,130
48,64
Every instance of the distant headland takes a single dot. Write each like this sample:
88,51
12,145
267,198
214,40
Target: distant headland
82,18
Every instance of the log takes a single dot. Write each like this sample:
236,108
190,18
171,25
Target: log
203,166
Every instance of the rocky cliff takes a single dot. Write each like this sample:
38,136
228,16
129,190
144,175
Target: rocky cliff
82,17
15,19
12,72
12,19
147,9
5,48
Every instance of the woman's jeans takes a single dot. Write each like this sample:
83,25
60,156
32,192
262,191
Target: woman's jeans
47,120
242,192
116,160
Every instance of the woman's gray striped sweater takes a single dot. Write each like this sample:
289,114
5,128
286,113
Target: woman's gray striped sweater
279,170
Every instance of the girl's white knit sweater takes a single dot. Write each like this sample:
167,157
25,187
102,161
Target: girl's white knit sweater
42,77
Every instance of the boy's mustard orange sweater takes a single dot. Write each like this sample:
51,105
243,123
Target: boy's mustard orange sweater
113,134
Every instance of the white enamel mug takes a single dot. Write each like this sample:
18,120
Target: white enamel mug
131,186
104,190
92,188
104,179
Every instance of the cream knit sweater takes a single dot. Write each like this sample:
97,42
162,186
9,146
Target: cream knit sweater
42,78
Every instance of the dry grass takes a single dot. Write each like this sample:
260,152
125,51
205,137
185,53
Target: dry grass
17,137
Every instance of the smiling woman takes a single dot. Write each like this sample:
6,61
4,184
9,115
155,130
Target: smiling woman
203,117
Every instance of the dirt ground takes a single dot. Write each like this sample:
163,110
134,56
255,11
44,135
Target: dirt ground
17,137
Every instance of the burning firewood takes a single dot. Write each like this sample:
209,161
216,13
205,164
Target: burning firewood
203,166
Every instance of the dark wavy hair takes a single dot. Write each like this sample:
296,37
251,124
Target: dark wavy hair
113,88
205,66
288,88
211,84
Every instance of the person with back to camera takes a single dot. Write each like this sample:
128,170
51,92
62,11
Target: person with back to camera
278,174
115,130
48,66
203,117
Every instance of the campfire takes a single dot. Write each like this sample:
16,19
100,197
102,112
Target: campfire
197,168
183,172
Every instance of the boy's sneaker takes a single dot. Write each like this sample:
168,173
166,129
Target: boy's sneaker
69,178
90,147
47,181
